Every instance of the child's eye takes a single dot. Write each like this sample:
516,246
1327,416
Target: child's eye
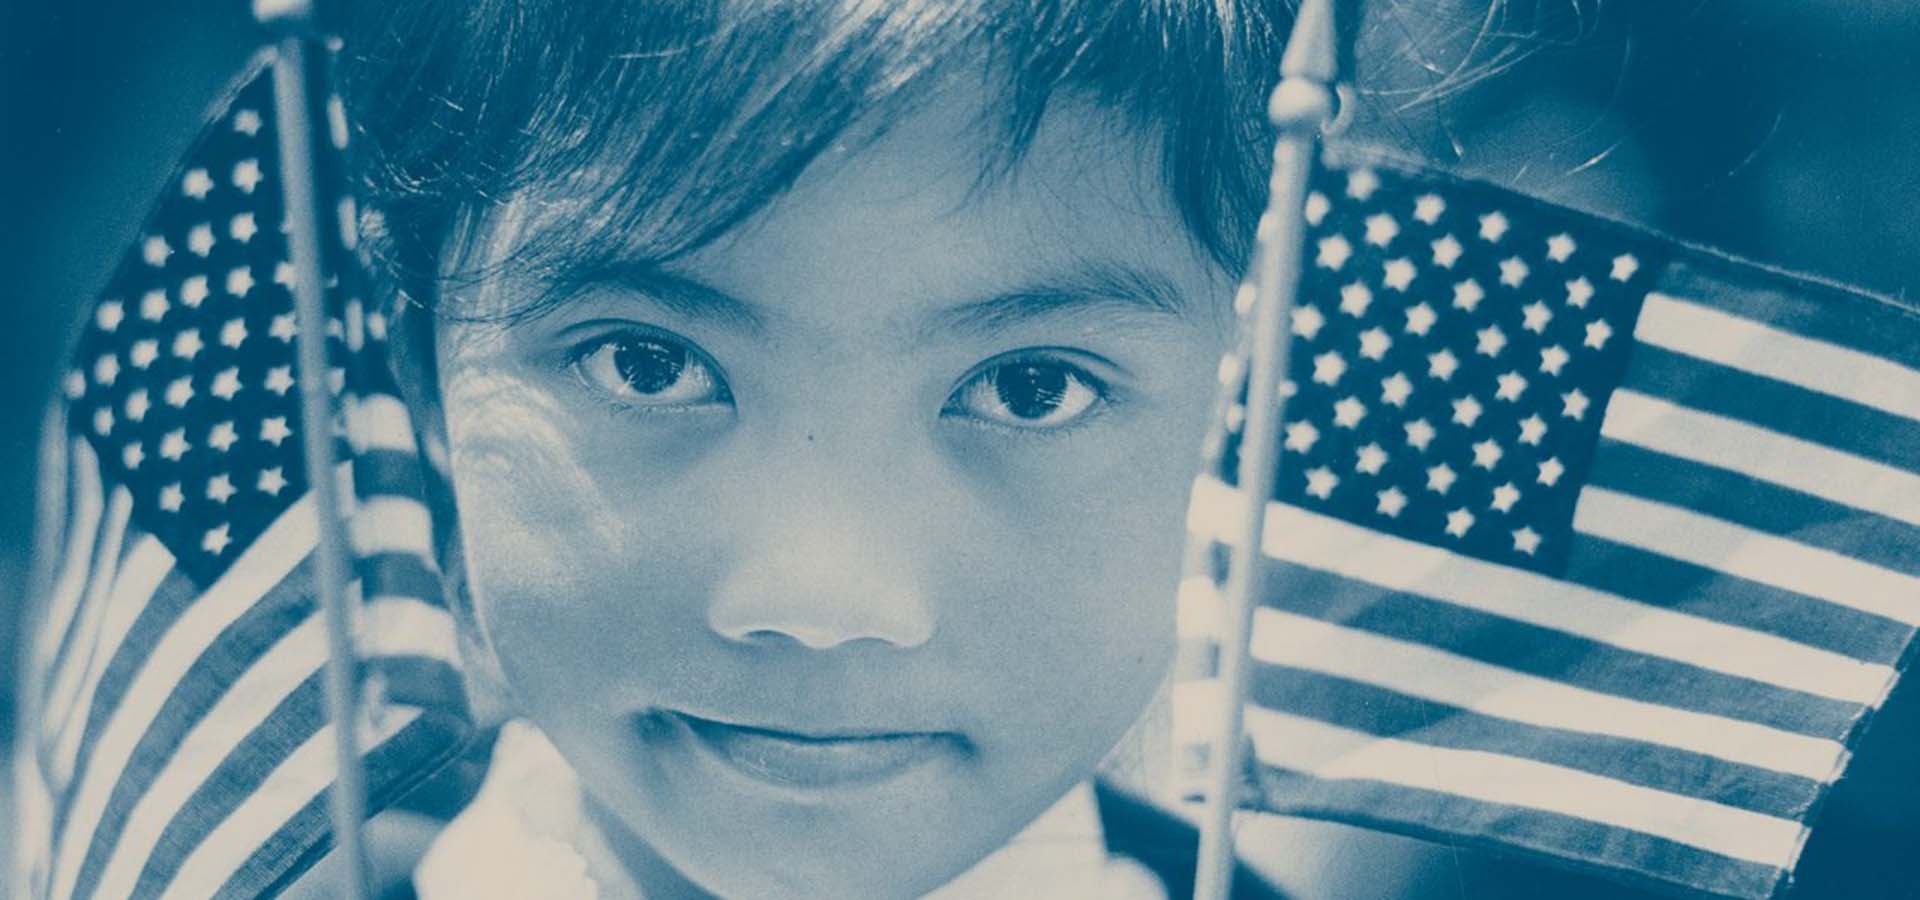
645,369
1028,394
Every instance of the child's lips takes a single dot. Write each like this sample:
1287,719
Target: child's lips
816,760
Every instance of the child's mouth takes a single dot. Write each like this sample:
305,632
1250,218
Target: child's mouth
813,761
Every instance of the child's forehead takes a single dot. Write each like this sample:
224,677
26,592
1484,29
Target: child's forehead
929,208
943,152
944,168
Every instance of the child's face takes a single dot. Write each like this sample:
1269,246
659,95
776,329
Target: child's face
838,553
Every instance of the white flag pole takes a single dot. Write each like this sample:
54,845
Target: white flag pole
1301,105
294,21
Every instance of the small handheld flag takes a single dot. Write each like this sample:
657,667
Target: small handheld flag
181,742
1583,543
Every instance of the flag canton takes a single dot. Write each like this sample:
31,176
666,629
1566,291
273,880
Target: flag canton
1453,353
185,380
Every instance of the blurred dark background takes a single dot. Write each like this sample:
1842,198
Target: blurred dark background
1783,130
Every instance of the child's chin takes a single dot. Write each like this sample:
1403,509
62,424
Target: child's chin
747,820
739,846
844,850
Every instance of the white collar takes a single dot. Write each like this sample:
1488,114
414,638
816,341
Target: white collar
526,835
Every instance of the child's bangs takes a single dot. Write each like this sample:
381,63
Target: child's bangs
654,128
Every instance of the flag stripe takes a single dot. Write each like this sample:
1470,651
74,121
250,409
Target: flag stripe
76,655
85,509
380,422
1457,821
1547,653
175,593
1329,752
1299,536
408,626
1282,638
188,699
296,780
32,819
433,681
417,748
1684,326
1375,710
386,524
1843,318
136,579
1664,581
1777,406
240,774
1758,505
235,775
399,574
142,565
258,628
1742,552
387,472
253,574
1658,425
276,644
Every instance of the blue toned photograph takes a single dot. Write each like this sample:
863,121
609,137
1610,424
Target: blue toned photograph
960,449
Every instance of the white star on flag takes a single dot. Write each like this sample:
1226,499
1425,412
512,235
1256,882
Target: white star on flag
1493,227
1355,298
1321,481
1395,389
196,184
1420,319
1466,411
1504,497
1468,294
1371,460
1419,434
1574,404
246,175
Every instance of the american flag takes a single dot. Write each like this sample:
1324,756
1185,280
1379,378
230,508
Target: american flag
177,741
1583,543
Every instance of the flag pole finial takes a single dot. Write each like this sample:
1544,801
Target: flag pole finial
1305,101
1300,107
285,16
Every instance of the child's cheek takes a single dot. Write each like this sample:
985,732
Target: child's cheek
521,489
1080,622
532,522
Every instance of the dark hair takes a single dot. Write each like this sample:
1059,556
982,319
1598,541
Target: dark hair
692,115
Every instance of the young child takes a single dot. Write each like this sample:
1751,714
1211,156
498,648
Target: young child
815,389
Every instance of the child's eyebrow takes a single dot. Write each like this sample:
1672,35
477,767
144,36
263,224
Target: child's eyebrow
1088,287
683,296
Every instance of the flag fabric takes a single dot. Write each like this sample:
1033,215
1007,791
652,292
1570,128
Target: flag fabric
1583,543
176,740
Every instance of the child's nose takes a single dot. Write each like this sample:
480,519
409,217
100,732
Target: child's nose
820,586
